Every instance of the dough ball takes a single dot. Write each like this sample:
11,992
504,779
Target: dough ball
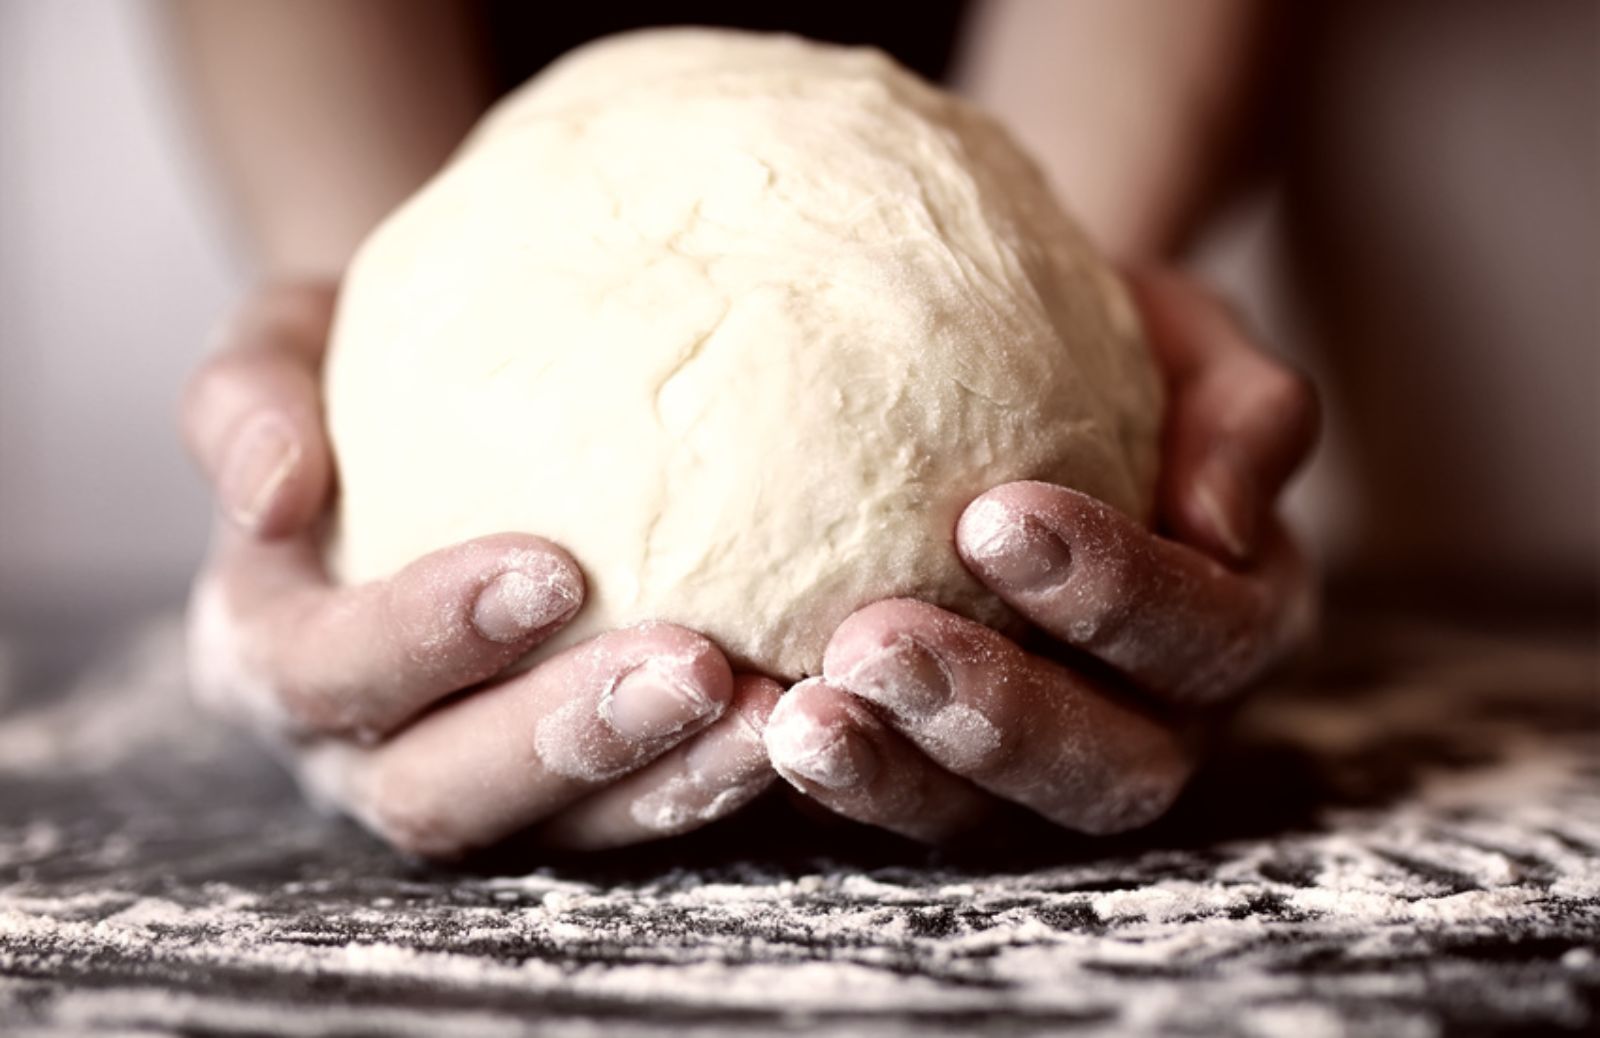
743,322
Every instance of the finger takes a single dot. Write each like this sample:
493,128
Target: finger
252,414
1174,621
359,661
1239,421
1024,728
705,778
494,763
831,747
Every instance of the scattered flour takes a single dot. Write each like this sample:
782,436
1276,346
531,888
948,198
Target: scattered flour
1502,843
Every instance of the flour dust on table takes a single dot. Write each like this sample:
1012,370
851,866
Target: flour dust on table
1403,841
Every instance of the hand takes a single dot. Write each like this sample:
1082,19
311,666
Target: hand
389,700
924,722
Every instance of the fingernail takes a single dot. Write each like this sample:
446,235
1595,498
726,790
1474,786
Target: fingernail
260,459
906,678
1227,506
1019,552
652,700
519,602
831,756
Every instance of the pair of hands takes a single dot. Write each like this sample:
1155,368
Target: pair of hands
389,701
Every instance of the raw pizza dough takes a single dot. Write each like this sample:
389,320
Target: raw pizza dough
743,322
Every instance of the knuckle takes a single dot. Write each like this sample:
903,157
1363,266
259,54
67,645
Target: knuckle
215,379
1290,400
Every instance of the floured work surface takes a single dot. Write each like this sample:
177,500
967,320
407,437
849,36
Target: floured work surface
1404,841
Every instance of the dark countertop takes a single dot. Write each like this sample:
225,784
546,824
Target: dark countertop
1402,839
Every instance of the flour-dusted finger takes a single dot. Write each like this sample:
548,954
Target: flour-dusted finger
491,764
252,412
270,637
1239,420
1022,727
708,776
831,747
1173,620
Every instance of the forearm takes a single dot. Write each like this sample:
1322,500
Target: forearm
1134,107
322,115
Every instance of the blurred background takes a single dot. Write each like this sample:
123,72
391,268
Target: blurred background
1428,249
113,265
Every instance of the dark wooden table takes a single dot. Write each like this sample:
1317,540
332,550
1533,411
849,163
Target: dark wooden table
1403,839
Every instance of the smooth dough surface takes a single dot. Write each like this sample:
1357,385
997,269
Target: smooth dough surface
743,322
